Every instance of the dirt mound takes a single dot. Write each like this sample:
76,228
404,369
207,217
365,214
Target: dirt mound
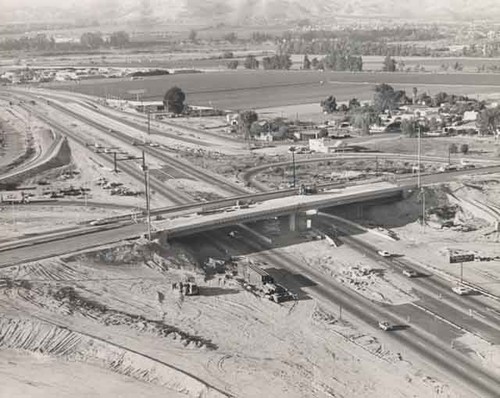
61,157
68,301
52,340
142,251
446,206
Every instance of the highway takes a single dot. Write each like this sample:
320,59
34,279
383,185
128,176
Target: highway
434,293
423,335
487,166
66,243
179,164
219,220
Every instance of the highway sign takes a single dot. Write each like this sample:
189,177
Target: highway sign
461,258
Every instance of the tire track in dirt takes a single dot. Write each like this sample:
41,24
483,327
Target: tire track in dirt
50,339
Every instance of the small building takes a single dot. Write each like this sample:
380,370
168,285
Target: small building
470,116
305,135
325,145
148,106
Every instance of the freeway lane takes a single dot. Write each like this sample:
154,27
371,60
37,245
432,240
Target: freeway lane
70,244
460,367
418,337
433,292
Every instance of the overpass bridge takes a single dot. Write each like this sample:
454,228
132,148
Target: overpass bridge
291,206
186,221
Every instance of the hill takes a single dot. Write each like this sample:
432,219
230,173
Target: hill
244,11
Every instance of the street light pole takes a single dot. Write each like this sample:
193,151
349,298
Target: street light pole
149,122
292,150
423,208
419,157
146,190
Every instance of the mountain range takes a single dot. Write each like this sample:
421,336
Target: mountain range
243,11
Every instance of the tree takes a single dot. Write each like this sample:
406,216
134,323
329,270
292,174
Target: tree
306,64
323,133
119,39
414,98
329,105
425,99
384,98
354,103
343,60
174,100
231,37
440,98
192,35
343,108
464,148
363,117
453,148
389,64
246,119
488,120
233,64
251,62
409,128
281,61
91,40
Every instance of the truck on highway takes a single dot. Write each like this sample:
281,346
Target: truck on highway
254,275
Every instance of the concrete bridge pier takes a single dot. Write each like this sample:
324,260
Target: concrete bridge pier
292,222
359,211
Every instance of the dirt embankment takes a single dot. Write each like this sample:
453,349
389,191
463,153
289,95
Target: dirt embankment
51,340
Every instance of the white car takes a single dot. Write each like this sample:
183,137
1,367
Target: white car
410,273
462,290
385,325
384,253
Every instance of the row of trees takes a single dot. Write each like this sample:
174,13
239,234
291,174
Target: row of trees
279,61
88,40
95,40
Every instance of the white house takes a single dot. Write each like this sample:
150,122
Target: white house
470,116
325,145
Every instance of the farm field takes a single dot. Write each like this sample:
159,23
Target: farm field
263,89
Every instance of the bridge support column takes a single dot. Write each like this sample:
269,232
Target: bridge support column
293,222
359,211
162,238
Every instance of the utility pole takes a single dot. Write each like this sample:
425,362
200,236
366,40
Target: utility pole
114,162
292,150
149,122
146,190
419,154
423,208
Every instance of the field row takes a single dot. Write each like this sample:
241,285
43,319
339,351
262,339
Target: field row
261,89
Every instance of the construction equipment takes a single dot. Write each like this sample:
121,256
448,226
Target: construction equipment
308,189
186,288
